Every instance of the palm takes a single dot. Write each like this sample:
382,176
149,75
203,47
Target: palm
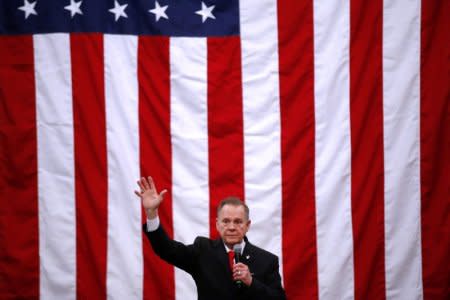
150,199
149,195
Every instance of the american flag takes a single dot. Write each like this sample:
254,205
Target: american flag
330,118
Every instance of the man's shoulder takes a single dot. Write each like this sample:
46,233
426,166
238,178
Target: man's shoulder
205,242
202,240
262,253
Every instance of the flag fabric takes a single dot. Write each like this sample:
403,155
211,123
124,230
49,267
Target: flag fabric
331,119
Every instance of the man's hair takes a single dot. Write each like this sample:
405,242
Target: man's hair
235,201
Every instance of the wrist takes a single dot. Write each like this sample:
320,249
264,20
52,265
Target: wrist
151,213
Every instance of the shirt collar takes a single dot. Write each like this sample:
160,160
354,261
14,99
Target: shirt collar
242,247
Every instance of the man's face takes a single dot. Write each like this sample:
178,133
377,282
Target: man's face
232,224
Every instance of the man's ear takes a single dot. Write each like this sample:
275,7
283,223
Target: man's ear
217,224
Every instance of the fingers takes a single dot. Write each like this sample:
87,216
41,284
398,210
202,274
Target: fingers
239,269
242,272
146,182
239,275
137,194
151,183
141,184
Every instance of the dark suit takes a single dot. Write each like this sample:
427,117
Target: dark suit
207,261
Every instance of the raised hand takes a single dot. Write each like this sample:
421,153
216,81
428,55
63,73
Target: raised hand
149,196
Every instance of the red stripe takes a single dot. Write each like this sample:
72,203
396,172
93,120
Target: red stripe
296,68
225,123
156,152
366,127
435,148
91,172
19,227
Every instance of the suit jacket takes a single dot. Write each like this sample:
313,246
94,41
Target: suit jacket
207,262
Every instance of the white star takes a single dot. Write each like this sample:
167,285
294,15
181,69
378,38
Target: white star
74,8
28,8
119,10
160,12
206,12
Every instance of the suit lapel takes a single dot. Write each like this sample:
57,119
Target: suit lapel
247,256
222,255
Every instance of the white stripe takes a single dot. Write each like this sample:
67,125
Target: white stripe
333,149
189,132
56,187
401,109
125,262
261,106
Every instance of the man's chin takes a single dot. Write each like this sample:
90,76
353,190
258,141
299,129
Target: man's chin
232,241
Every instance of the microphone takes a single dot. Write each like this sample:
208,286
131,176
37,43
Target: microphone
237,257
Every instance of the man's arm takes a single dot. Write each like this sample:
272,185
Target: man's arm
173,252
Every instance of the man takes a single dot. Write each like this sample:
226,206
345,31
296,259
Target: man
256,276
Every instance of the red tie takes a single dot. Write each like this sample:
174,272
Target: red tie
231,260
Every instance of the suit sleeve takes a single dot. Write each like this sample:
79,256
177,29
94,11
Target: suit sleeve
271,287
173,252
